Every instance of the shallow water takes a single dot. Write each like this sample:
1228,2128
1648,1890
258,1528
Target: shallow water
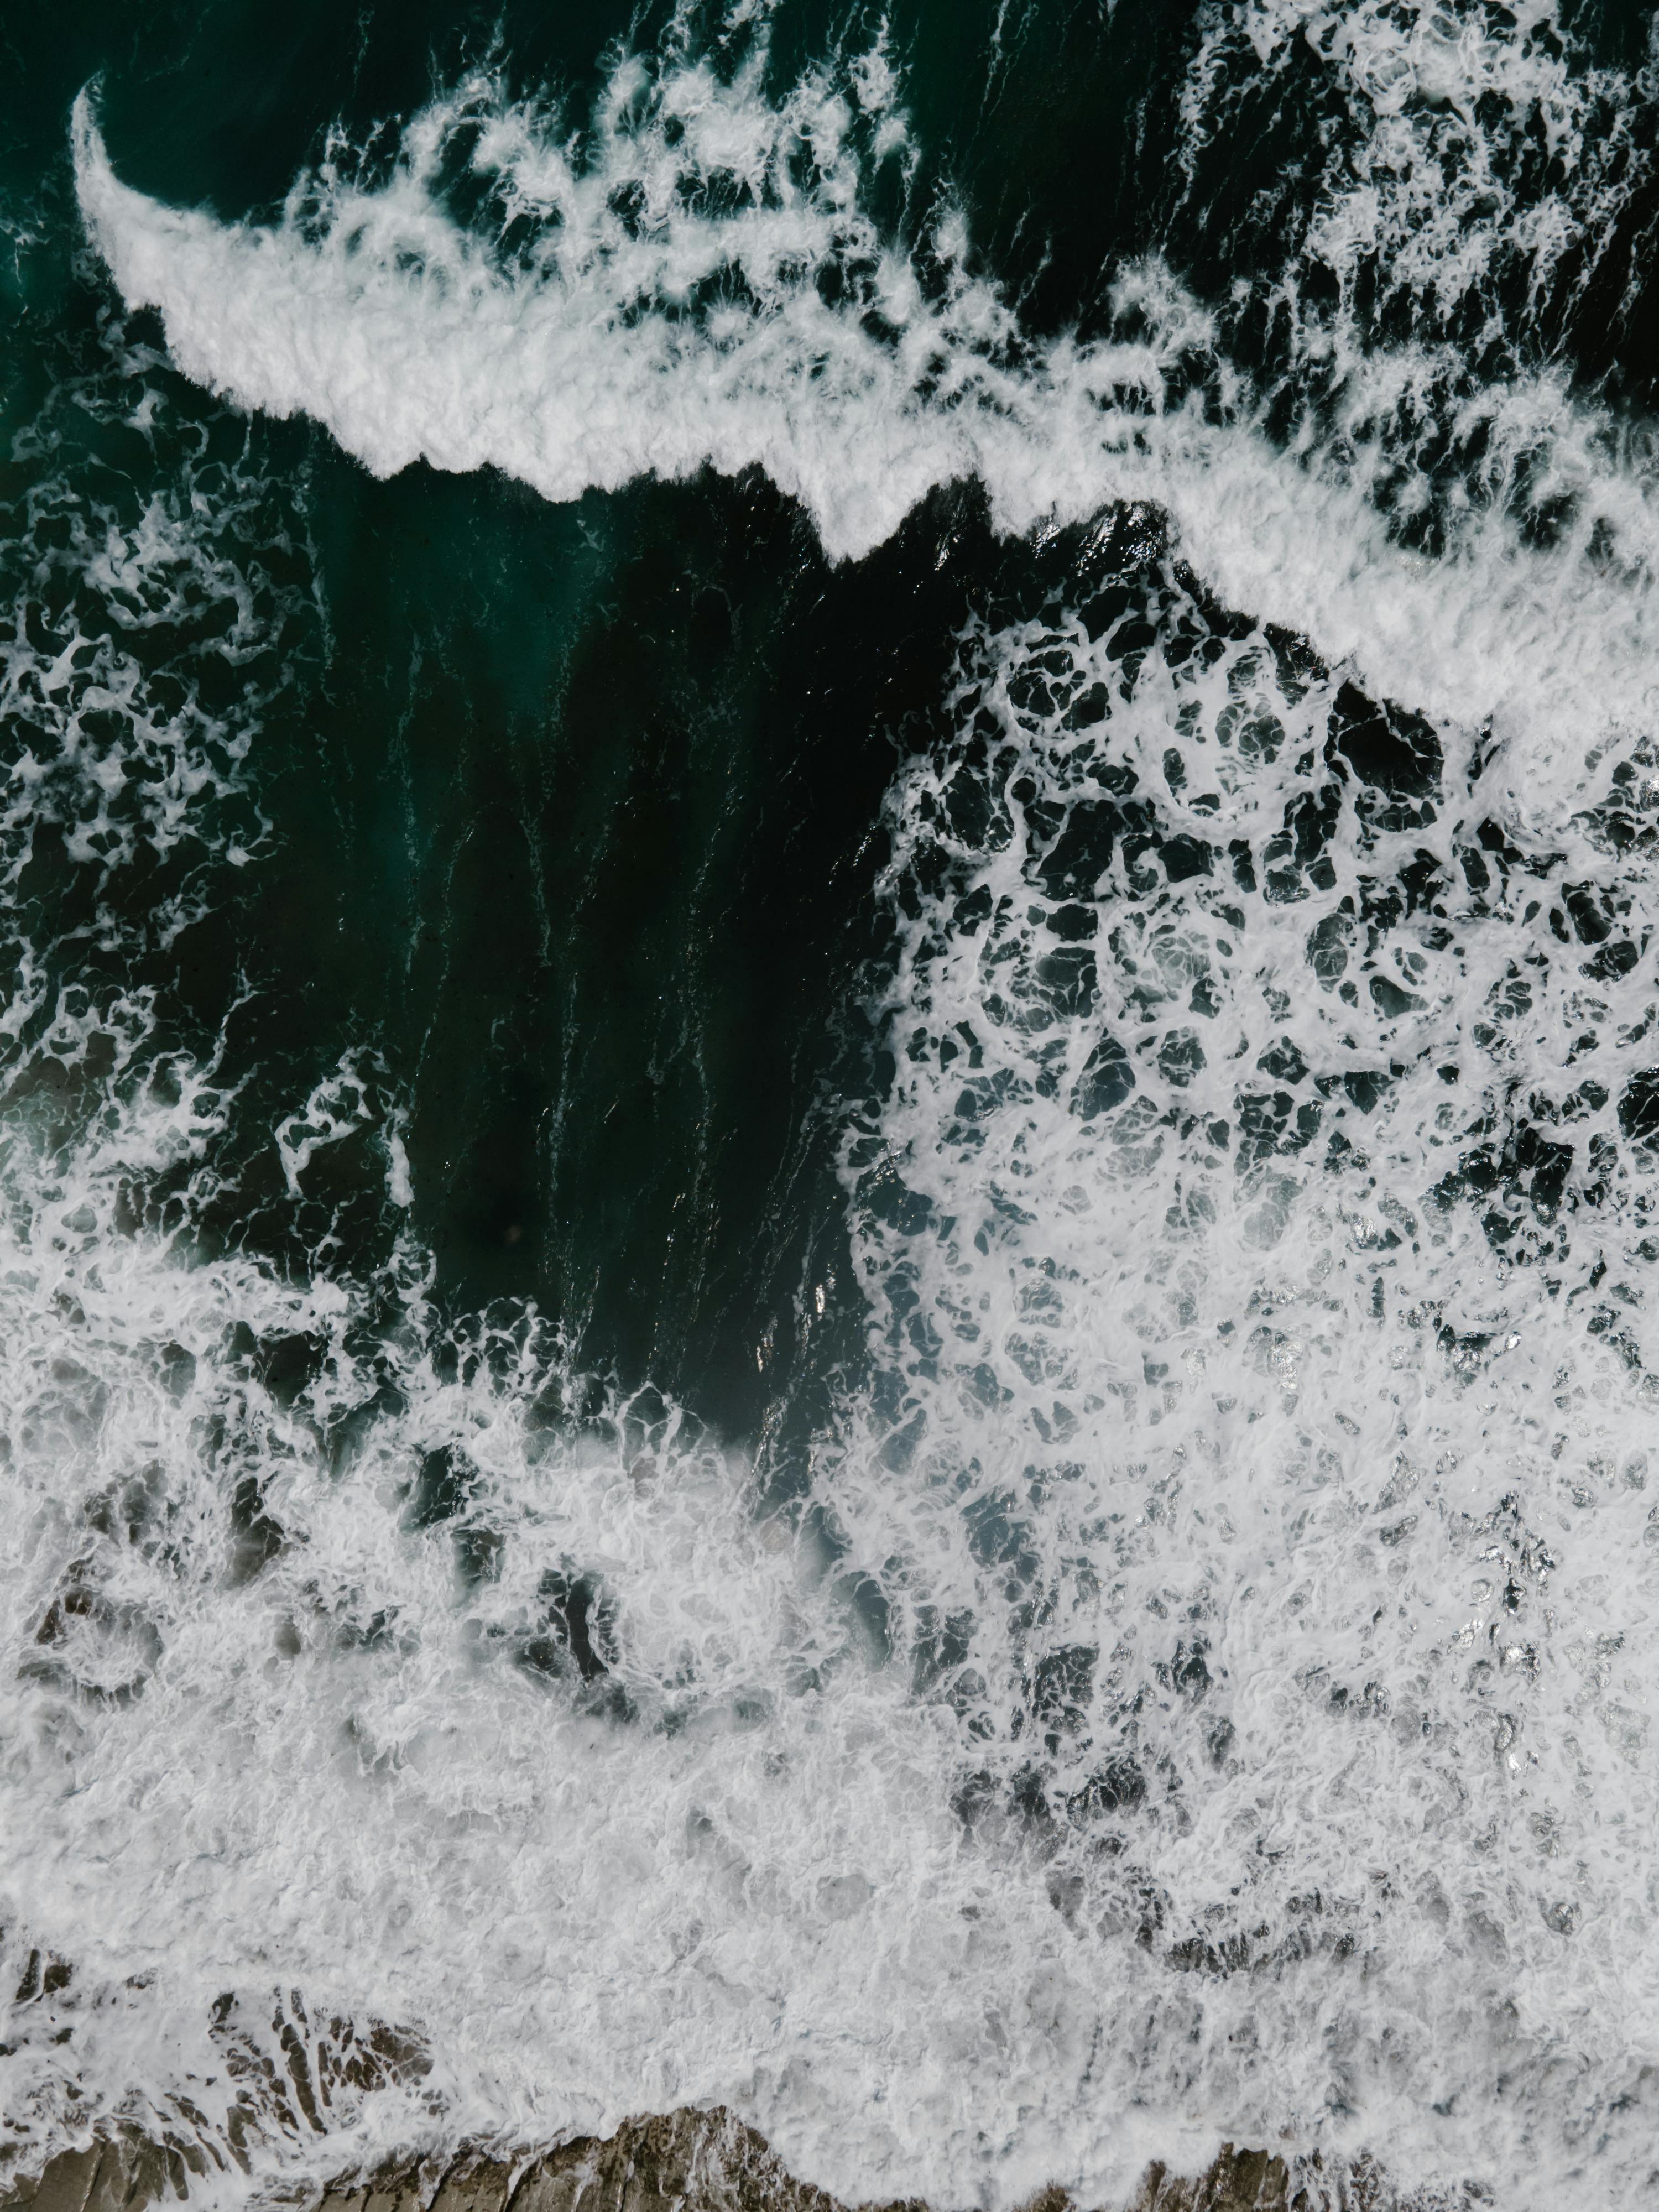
827,1177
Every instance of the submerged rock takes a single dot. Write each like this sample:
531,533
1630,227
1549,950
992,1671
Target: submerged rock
682,2161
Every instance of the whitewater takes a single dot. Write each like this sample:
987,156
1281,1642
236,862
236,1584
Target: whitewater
1196,1682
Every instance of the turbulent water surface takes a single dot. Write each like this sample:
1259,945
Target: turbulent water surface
830,1165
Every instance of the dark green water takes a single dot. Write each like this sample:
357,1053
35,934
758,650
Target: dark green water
827,1273
572,813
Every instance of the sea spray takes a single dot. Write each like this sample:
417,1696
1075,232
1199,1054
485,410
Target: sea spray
1191,1680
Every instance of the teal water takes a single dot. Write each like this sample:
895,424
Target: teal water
827,1141
576,807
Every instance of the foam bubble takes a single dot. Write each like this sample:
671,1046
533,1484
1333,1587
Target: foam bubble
1204,1691
703,289
144,637
1254,1464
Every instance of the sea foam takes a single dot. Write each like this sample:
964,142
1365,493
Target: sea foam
700,286
1204,1690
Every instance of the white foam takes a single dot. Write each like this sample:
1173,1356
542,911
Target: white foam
666,305
1123,1398
1124,1402
1139,1396
345,1779
115,751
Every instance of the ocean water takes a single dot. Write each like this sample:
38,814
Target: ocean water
829,1162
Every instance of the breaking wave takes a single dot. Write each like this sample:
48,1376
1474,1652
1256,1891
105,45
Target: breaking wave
1196,1683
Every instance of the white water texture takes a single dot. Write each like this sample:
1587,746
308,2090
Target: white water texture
1209,1695
704,287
